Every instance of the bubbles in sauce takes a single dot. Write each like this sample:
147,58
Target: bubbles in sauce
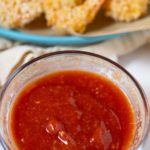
53,126
101,137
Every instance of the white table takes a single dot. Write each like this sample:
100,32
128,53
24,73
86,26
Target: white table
138,64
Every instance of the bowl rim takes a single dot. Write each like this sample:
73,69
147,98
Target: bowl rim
57,53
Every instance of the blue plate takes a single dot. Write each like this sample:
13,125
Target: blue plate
52,40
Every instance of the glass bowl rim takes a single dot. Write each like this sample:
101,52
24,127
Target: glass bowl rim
57,53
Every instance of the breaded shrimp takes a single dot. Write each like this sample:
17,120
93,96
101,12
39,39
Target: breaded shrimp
125,10
17,13
75,16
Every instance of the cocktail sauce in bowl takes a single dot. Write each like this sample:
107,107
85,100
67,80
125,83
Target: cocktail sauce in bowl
73,100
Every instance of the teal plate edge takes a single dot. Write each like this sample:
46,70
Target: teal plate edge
53,40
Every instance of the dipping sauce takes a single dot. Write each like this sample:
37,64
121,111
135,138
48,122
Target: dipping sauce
72,110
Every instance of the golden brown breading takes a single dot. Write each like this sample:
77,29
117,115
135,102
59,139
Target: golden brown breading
65,3
74,16
17,13
125,10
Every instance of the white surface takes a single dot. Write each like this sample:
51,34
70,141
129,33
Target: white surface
138,64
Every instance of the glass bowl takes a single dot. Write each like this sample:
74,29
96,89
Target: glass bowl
74,60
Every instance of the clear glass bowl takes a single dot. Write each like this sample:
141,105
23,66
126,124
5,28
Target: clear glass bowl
74,60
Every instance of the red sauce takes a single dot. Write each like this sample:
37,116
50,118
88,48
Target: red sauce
72,110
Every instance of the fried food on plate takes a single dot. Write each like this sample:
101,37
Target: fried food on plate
73,15
125,10
64,3
17,13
